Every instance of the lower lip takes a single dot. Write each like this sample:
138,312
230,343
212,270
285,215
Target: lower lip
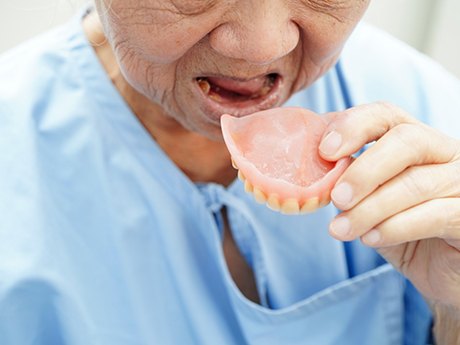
214,110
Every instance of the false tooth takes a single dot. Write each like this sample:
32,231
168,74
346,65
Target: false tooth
310,205
326,200
273,202
259,196
290,206
204,85
241,176
234,164
248,188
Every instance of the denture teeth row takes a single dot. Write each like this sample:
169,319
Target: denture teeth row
287,206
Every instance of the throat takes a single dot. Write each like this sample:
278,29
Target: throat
200,159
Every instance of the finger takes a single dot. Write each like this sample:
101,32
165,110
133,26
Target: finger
414,186
351,129
435,218
404,146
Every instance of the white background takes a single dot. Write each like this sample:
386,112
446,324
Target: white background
432,26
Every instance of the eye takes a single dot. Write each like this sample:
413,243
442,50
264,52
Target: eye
193,7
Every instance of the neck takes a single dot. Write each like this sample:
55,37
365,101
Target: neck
200,158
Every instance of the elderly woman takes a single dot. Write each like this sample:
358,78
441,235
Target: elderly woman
121,220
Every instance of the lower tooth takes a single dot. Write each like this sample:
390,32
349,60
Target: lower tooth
215,97
262,92
265,90
204,85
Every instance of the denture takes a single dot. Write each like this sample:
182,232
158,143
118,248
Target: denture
276,154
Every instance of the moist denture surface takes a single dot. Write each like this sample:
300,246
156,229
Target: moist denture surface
276,152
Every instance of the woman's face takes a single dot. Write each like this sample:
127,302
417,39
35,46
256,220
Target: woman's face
199,59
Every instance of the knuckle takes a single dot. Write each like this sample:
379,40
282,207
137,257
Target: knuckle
387,106
398,114
337,120
411,138
415,184
407,132
359,175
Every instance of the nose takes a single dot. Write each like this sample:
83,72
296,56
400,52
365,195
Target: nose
260,32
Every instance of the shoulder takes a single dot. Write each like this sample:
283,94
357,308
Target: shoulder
32,64
31,75
44,135
377,67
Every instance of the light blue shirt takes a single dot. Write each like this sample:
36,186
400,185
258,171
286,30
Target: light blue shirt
103,240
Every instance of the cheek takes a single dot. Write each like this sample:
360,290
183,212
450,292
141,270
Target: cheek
156,32
324,37
149,78
322,44
163,47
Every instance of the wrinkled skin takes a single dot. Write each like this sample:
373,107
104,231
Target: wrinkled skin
162,46
412,205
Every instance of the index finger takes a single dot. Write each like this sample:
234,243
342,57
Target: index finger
350,130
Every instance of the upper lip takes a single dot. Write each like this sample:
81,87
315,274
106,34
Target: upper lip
237,78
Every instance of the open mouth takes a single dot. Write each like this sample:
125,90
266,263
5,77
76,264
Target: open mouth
229,91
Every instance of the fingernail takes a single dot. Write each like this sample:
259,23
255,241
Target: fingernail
342,194
340,226
331,143
372,237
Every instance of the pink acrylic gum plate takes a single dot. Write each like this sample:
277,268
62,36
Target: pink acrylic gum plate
276,153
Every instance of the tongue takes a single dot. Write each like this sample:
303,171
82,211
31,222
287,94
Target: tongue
246,88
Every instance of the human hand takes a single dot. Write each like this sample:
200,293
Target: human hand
402,195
